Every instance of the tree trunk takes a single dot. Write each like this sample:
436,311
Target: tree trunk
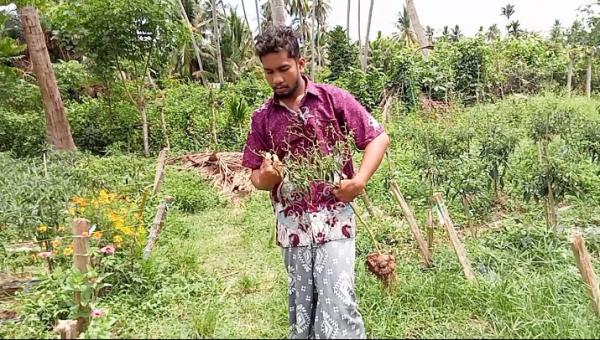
302,28
217,41
194,44
313,40
278,12
570,76
588,79
258,17
359,38
366,51
348,20
246,16
417,27
142,107
57,124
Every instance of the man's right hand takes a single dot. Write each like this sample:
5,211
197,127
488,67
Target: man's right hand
269,173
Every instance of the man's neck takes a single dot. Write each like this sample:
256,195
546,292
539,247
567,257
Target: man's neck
294,100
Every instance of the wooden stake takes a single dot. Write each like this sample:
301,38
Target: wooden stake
430,231
81,261
67,329
160,170
368,204
412,222
586,269
157,226
456,244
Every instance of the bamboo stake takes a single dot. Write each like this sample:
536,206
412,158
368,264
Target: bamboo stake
456,243
412,222
157,226
586,269
430,231
67,329
368,204
160,170
81,261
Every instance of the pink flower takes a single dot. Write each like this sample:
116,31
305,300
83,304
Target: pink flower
96,313
45,254
108,250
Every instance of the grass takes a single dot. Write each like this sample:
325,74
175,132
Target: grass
232,285
228,281
216,273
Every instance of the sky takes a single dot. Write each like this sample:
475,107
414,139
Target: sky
534,15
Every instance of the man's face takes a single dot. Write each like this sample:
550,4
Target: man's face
282,72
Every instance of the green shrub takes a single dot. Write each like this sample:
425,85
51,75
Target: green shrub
191,193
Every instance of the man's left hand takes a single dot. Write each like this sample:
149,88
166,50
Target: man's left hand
348,190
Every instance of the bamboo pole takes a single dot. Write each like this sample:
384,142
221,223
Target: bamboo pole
160,170
586,269
412,222
157,226
456,243
81,261
430,231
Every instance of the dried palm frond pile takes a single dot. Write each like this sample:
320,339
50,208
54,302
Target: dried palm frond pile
224,169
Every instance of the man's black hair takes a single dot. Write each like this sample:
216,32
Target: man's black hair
275,39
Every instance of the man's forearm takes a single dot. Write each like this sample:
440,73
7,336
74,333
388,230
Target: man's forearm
373,155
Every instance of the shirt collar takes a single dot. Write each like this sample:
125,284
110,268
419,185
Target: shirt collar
310,88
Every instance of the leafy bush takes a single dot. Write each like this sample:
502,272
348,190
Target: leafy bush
191,193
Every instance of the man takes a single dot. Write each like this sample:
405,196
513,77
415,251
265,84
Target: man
316,229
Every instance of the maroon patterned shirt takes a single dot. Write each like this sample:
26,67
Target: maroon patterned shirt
326,113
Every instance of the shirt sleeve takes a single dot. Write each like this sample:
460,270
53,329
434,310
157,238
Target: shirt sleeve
357,119
254,146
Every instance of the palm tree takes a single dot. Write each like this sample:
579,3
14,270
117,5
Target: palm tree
492,33
590,53
446,33
217,37
430,32
360,51
508,11
417,27
405,32
237,47
348,20
575,37
366,52
186,13
556,33
456,33
514,29
278,12
245,15
298,11
258,17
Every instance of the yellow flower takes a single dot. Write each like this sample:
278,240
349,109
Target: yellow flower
61,228
97,235
42,228
55,243
72,211
68,250
117,240
105,197
80,201
125,230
